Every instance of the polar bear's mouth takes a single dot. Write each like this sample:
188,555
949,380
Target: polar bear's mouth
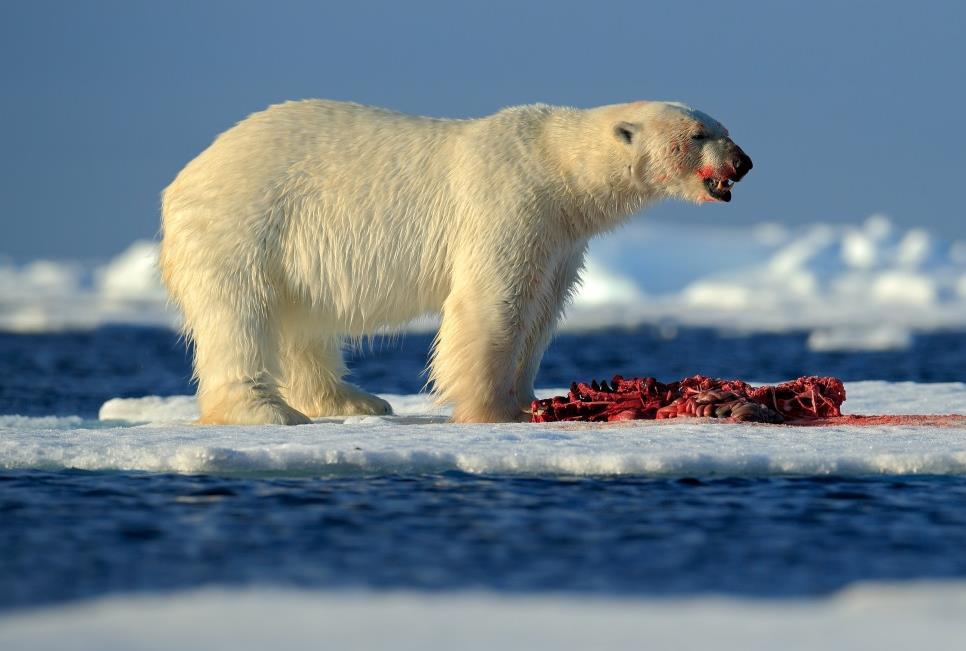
720,189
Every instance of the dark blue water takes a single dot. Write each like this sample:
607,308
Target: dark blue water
74,373
70,535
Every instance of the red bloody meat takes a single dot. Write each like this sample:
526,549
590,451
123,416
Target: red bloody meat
804,399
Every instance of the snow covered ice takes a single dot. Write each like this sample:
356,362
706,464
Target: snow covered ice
867,616
154,434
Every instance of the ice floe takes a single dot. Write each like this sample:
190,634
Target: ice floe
866,616
155,434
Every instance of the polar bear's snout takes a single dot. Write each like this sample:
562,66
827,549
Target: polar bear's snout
736,165
741,163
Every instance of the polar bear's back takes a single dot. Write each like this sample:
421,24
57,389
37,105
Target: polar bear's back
329,141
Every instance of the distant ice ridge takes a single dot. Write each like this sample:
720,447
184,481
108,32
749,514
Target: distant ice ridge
154,434
48,295
924,615
866,287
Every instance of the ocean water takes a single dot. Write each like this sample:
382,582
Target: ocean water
68,534
74,373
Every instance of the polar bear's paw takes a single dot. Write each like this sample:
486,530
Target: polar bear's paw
346,400
250,409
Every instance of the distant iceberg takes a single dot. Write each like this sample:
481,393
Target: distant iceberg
51,295
835,279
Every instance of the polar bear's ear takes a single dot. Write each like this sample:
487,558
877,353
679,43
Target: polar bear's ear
625,131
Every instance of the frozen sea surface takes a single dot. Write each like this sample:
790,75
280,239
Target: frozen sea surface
870,616
154,434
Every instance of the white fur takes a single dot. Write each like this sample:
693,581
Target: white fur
315,221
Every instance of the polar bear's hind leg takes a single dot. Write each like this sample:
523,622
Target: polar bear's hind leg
236,364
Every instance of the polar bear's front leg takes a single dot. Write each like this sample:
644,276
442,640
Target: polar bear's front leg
549,307
474,359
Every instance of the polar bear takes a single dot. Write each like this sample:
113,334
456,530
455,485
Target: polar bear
315,221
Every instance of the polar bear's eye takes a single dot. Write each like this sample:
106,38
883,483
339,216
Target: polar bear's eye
625,131
700,135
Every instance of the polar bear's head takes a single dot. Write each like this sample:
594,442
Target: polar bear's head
679,152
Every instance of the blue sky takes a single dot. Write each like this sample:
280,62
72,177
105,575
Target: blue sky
846,108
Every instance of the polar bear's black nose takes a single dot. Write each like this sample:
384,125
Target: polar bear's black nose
742,164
